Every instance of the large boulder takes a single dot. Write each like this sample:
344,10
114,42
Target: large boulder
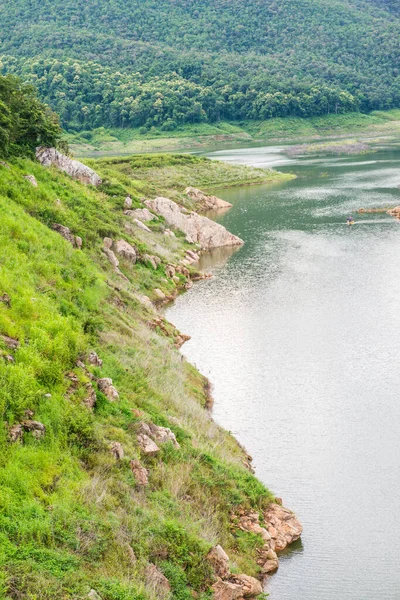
198,229
205,202
282,525
394,212
50,157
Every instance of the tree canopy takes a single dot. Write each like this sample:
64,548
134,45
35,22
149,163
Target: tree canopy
166,62
25,122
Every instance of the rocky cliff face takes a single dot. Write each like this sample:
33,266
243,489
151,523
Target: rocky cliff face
198,229
50,157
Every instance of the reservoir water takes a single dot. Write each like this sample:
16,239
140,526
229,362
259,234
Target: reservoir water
299,333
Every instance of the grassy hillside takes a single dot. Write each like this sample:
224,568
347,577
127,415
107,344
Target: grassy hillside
73,517
144,64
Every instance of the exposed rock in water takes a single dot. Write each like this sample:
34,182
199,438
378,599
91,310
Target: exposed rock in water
282,525
157,582
51,157
198,229
106,386
31,179
74,240
394,212
205,202
142,214
141,474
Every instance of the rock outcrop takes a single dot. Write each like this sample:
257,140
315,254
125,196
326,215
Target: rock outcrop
158,434
205,202
147,445
140,473
225,590
106,386
74,240
122,248
219,560
198,229
50,157
93,359
143,214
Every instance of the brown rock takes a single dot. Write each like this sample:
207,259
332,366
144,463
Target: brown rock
170,271
93,359
147,446
91,397
117,450
149,259
157,582
38,429
5,299
141,474
251,587
10,342
219,560
67,235
161,435
225,590
106,386
15,433
125,250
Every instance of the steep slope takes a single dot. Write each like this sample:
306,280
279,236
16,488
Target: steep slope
114,481
170,62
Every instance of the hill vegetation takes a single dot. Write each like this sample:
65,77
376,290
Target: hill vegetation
84,511
164,63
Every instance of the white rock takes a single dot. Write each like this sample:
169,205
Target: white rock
197,228
125,250
143,214
141,225
51,157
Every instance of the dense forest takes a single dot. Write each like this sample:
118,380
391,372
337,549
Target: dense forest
164,63
25,122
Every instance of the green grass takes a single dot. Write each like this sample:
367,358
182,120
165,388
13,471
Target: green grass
68,511
111,142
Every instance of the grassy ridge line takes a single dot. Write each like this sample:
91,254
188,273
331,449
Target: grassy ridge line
109,142
72,518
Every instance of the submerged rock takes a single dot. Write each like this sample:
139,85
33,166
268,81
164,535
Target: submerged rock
198,229
51,157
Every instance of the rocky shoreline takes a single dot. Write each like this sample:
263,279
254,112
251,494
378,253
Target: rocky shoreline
276,526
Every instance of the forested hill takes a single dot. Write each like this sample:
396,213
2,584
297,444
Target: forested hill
166,62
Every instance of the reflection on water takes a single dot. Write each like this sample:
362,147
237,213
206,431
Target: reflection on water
299,332
216,258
